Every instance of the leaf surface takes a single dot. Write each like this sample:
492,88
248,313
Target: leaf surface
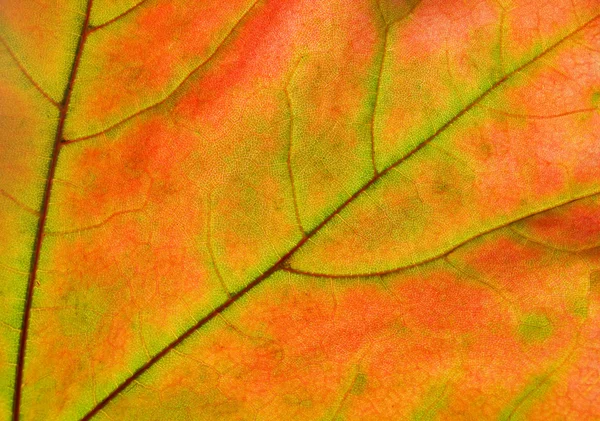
300,210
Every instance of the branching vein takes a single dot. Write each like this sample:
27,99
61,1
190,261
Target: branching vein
210,248
282,263
288,99
116,18
27,75
209,59
439,256
39,235
19,203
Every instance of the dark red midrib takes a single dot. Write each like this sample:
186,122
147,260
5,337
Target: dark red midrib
282,262
39,235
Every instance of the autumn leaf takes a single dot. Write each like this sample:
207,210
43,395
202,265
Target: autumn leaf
300,210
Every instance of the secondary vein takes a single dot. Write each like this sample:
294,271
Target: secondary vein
230,35
444,253
27,74
281,264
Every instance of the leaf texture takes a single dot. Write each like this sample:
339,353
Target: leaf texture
290,209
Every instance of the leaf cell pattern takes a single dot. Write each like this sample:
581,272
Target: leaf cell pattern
289,209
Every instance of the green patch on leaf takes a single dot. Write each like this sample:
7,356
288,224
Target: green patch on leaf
435,400
535,328
580,307
359,385
595,282
394,11
519,407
